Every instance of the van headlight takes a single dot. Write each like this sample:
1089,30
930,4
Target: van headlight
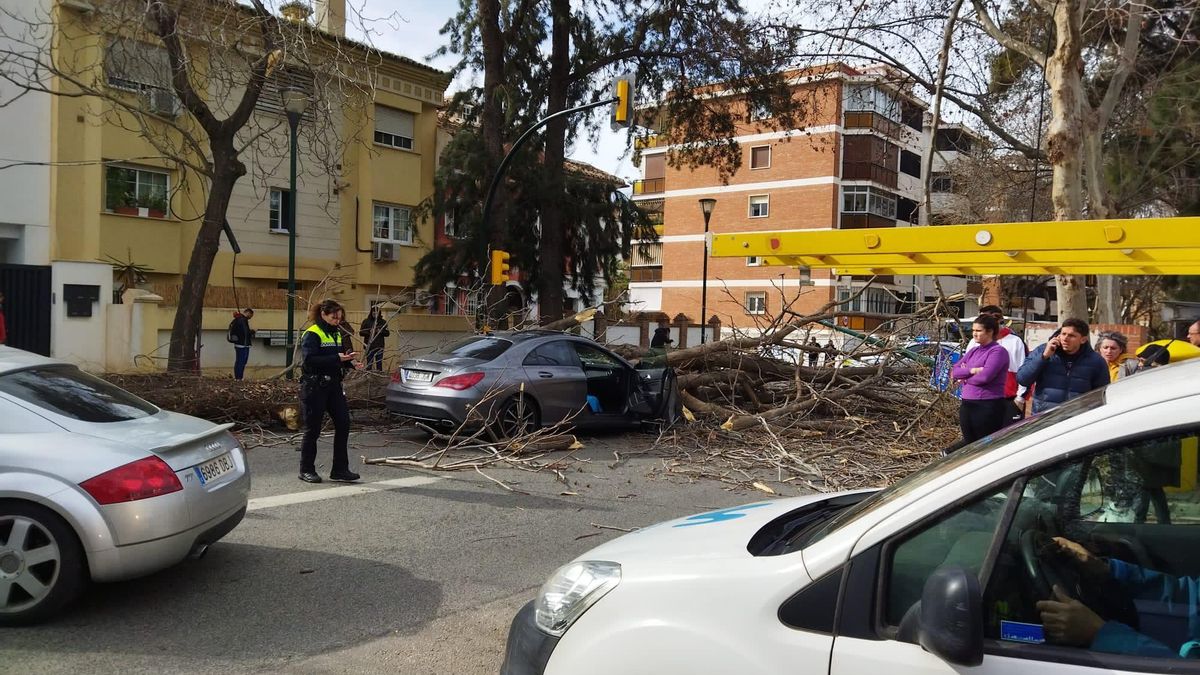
571,590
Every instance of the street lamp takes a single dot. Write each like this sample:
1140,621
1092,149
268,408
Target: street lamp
706,207
294,103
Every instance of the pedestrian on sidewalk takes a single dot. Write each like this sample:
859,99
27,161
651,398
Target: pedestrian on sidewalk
374,331
241,336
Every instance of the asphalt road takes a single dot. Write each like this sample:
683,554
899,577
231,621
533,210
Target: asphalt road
412,572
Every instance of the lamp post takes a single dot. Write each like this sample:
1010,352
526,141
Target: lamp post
706,207
294,103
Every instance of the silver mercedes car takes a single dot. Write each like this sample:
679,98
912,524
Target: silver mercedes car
97,484
517,381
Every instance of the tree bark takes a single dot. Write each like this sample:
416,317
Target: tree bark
1064,139
183,354
492,130
551,254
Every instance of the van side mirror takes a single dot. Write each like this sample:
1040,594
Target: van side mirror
951,624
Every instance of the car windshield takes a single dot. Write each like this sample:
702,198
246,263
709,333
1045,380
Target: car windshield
70,392
1077,406
479,347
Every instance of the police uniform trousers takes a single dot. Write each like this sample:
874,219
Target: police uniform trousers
319,398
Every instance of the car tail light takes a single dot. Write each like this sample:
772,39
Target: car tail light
460,382
148,477
396,376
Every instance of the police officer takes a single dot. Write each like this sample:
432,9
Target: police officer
324,362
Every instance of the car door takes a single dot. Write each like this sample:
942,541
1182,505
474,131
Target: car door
556,379
1010,537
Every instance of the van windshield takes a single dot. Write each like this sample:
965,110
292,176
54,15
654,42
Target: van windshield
1032,425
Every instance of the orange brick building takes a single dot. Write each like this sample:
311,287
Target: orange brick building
856,162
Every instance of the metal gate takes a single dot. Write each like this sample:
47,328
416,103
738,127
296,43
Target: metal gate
26,290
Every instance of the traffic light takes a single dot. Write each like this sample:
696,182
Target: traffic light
500,266
622,112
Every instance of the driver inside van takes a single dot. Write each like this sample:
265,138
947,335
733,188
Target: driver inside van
1067,621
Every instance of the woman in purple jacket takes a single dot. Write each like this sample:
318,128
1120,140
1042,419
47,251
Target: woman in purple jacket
982,372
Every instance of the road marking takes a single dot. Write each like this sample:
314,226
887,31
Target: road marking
338,492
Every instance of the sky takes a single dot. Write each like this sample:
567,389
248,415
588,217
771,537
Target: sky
410,28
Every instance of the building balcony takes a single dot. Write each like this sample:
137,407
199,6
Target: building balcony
869,171
654,141
649,186
857,221
864,119
645,274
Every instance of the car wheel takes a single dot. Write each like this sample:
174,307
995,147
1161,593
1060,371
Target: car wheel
41,563
518,417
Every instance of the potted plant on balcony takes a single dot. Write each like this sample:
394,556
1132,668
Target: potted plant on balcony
126,205
155,207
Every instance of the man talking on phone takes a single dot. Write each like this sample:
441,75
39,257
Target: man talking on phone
1063,368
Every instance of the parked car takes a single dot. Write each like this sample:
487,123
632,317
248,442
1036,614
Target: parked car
518,381
97,484
928,348
940,573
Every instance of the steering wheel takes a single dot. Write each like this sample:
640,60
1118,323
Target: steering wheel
1045,568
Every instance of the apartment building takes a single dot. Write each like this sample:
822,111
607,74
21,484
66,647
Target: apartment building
97,191
856,162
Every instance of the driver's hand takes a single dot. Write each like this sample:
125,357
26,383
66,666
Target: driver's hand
1090,564
1067,621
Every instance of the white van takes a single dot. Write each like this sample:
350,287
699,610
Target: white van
1067,544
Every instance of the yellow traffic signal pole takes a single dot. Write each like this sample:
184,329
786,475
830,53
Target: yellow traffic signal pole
1132,246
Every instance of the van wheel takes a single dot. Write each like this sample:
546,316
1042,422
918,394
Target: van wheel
41,563
518,417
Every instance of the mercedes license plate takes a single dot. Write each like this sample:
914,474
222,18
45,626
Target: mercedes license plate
215,468
418,376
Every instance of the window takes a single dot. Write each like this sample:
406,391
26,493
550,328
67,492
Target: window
759,206
963,538
910,163
136,66
133,188
394,128
942,182
479,347
865,199
557,353
758,111
753,261
70,392
392,224
1118,531
646,255
756,302
271,100
865,97
594,357
278,216
760,157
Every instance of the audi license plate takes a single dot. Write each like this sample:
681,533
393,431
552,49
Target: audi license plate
418,376
215,468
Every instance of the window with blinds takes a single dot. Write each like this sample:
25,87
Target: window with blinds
136,66
394,128
271,100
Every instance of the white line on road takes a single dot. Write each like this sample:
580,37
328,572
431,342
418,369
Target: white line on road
336,492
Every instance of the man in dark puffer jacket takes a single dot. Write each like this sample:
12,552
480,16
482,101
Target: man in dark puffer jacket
1063,368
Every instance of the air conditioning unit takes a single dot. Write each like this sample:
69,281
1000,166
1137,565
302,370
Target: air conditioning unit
160,102
384,252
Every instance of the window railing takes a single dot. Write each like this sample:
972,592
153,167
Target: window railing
649,186
655,141
864,119
645,274
869,171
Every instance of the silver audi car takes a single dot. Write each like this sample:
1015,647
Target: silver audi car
517,381
97,484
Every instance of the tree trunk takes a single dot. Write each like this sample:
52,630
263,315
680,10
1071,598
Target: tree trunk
492,131
1064,140
550,249
189,314
1108,287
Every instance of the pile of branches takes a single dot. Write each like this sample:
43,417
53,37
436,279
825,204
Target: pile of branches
248,404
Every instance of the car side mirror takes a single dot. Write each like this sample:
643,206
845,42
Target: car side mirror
951,624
